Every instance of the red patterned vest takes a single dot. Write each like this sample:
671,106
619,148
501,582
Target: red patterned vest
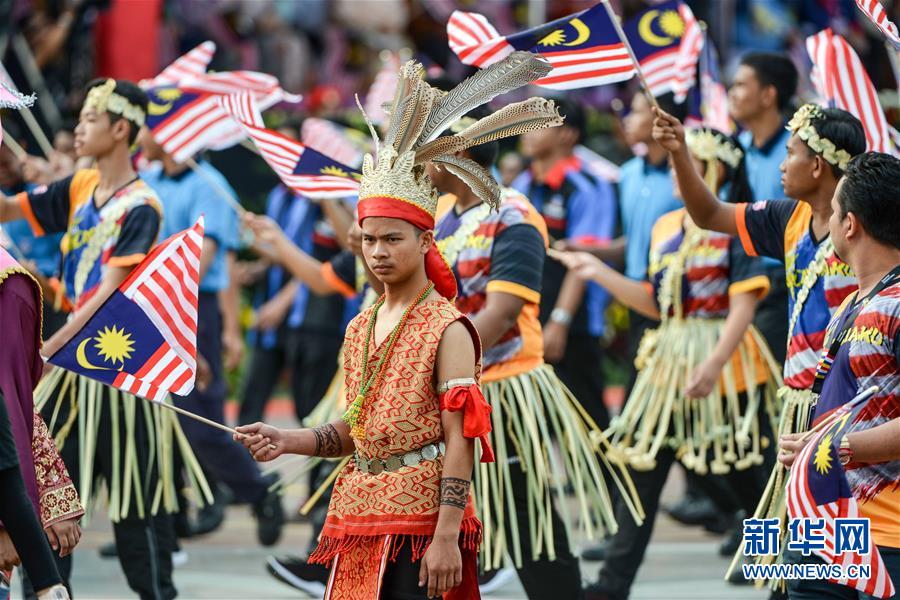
371,516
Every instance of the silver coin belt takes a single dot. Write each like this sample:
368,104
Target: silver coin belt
394,463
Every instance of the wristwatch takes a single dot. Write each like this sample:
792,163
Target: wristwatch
561,316
845,453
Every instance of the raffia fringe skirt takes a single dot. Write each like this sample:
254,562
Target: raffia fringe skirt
711,434
85,398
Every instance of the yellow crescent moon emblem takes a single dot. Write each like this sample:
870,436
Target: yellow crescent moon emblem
581,29
170,95
82,359
646,31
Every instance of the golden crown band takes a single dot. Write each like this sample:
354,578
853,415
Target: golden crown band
801,125
103,98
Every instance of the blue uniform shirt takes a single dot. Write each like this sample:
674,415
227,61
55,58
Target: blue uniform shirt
645,194
185,197
577,206
764,165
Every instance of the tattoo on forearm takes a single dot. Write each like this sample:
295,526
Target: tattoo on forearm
328,441
454,492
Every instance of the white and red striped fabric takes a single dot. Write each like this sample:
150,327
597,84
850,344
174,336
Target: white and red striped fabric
284,155
191,64
876,13
165,287
476,42
802,504
685,75
202,124
841,79
331,140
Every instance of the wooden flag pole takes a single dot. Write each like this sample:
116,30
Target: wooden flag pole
221,191
10,141
206,421
37,132
634,61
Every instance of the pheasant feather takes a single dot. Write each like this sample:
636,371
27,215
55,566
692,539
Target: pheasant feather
511,120
473,175
516,70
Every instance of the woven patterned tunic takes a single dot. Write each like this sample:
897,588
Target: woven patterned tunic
371,516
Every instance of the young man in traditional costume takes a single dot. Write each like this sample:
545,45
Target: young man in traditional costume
820,146
27,455
862,349
111,219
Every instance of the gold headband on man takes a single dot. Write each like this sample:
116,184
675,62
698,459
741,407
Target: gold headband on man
103,98
801,125
709,147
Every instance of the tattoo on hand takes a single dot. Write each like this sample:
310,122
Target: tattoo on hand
454,492
328,441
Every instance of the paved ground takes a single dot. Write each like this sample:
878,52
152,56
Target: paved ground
681,563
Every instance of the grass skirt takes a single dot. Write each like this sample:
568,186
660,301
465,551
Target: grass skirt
558,446
85,398
797,406
711,434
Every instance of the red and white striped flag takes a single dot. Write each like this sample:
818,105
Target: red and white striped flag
299,167
878,16
191,64
585,49
334,140
841,80
143,338
186,118
818,490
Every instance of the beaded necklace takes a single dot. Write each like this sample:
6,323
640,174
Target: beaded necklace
358,410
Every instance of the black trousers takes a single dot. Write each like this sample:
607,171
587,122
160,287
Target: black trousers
144,544
625,553
772,313
219,454
582,371
311,358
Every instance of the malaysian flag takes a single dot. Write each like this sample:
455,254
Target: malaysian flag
341,143
300,168
818,489
185,118
143,338
585,49
841,80
190,64
878,16
708,101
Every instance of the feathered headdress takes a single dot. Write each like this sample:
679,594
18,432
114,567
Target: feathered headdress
395,184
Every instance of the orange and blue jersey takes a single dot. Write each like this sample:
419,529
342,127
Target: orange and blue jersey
579,207
783,230
869,355
498,251
68,206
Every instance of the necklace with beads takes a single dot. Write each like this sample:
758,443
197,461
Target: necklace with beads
358,410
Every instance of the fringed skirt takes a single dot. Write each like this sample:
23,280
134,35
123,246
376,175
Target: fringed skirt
711,434
74,401
795,414
556,444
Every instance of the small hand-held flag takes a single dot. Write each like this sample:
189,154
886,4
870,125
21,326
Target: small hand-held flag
818,489
301,168
586,49
143,338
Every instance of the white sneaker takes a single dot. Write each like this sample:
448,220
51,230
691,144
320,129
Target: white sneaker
179,558
498,579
